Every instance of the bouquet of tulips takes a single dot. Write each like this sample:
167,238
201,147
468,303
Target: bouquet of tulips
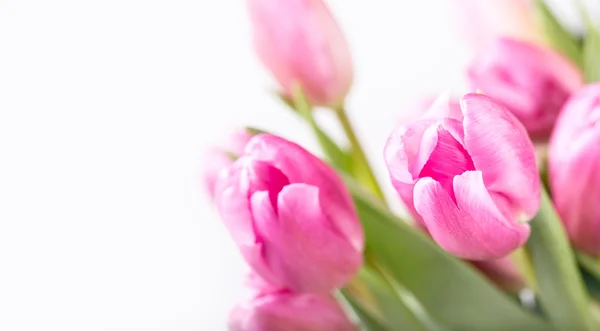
502,185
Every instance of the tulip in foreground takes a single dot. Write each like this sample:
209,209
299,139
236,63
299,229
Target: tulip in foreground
291,216
574,160
469,175
300,43
290,312
219,158
531,81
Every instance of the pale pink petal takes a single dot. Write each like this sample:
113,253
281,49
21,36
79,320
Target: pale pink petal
303,248
290,312
300,166
473,228
215,161
443,107
575,182
500,147
300,43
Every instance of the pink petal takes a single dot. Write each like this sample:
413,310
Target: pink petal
214,162
473,228
300,166
443,107
500,147
503,272
448,159
302,246
290,312
575,183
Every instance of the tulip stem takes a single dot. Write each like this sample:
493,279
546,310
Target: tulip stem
361,167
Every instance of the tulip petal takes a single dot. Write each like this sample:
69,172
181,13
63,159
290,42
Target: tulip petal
575,182
300,166
500,147
302,246
231,199
290,312
473,228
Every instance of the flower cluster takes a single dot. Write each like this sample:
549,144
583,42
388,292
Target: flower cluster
466,169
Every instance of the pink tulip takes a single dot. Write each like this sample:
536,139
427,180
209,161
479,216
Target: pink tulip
471,176
291,216
483,21
219,158
503,272
300,43
574,160
531,81
290,312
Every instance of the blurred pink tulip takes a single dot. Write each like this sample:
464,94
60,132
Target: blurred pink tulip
471,176
503,272
291,216
574,160
219,158
531,81
300,43
290,312
480,22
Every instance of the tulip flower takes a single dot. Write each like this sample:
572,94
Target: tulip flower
573,160
471,176
219,158
481,22
290,311
301,44
291,216
531,81
502,272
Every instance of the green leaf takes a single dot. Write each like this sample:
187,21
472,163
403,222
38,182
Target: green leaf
591,55
367,321
560,285
453,293
589,263
560,39
377,297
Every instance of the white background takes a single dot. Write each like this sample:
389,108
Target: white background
105,110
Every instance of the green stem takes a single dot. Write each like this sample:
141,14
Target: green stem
362,169
560,285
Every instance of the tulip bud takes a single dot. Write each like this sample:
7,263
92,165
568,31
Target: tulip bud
531,81
481,22
502,272
573,160
290,312
300,43
291,216
471,176
219,158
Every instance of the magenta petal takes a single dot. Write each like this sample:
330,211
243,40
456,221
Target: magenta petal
302,246
474,228
300,166
502,150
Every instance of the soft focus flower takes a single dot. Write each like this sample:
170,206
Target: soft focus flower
219,158
290,312
471,176
482,21
531,81
574,160
291,216
503,272
300,43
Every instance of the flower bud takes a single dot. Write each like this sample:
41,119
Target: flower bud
291,216
290,311
471,176
219,158
573,160
301,44
531,81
